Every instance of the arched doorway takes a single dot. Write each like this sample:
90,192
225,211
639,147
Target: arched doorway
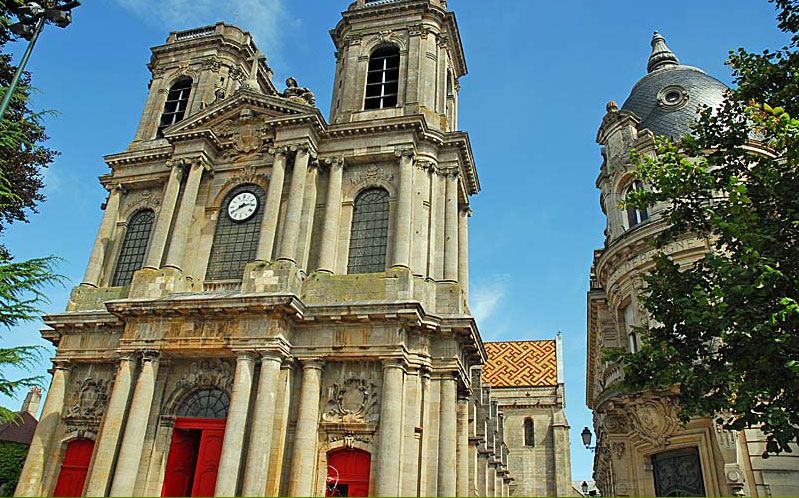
74,468
193,460
348,473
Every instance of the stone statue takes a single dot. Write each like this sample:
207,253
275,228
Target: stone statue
296,93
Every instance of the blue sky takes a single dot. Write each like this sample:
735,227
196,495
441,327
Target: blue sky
540,76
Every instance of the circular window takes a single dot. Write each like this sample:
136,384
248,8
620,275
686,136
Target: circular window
672,97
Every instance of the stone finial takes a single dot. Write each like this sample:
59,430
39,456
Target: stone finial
612,106
662,55
32,400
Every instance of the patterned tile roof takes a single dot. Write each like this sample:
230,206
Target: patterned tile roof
521,364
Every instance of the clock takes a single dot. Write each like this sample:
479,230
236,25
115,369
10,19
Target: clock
242,206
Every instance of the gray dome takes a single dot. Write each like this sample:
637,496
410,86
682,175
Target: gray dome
667,99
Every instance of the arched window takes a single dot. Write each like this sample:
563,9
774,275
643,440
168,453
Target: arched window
382,80
176,102
205,403
529,432
238,229
632,334
635,216
369,235
134,247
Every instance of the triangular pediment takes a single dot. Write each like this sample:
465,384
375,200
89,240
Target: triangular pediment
245,107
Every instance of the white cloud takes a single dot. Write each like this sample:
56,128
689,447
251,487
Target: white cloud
486,296
262,18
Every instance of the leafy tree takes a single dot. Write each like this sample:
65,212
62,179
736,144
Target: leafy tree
22,159
725,329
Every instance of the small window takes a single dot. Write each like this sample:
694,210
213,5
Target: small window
177,100
382,79
633,340
134,247
369,235
529,432
635,216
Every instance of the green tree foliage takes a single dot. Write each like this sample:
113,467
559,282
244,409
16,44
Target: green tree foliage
12,457
22,159
725,329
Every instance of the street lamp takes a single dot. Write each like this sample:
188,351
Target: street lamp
32,17
584,487
586,435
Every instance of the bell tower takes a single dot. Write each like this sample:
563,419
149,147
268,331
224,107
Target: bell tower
398,58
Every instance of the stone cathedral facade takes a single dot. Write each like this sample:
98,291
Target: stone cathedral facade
276,304
642,449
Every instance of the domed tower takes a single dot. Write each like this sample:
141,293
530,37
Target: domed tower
641,447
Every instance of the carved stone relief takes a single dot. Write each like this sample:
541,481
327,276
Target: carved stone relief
373,174
352,401
247,133
654,419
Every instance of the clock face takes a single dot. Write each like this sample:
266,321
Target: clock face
243,206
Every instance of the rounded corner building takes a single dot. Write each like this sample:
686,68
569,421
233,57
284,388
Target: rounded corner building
642,449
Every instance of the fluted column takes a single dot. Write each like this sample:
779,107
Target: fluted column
291,227
32,476
274,197
462,448
402,231
104,235
447,437
389,449
138,416
327,253
230,460
303,459
183,222
451,229
106,445
426,441
165,214
463,251
263,421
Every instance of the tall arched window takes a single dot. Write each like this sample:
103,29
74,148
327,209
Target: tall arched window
382,80
238,229
177,100
134,247
369,235
529,432
635,216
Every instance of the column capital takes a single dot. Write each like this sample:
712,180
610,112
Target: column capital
312,363
115,188
246,354
304,147
272,355
278,150
190,162
466,211
150,356
399,363
333,162
61,364
426,164
402,152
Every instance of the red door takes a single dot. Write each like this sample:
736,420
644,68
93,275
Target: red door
193,460
74,468
348,473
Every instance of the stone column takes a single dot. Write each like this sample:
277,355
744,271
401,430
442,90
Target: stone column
274,197
402,232
130,452
424,446
291,226
462,448
307,217
463,251
107,443
451,229
263,421
491,480
410,445
40,449
482,470
284,390
104,236
303,459
165,214
183,222
390,444
447,437
327,253
230,460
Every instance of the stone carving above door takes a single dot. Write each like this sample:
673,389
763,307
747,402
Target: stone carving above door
352,401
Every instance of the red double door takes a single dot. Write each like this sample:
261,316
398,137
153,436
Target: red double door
193,461
348,473
74,468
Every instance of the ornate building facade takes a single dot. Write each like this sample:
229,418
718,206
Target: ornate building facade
276,304
642,449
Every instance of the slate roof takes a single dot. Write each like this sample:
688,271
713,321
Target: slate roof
19,431
702,90
521,364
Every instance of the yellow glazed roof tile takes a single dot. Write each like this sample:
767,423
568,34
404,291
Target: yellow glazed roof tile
521,364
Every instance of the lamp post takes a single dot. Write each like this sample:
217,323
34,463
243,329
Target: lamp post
32,18
587,436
